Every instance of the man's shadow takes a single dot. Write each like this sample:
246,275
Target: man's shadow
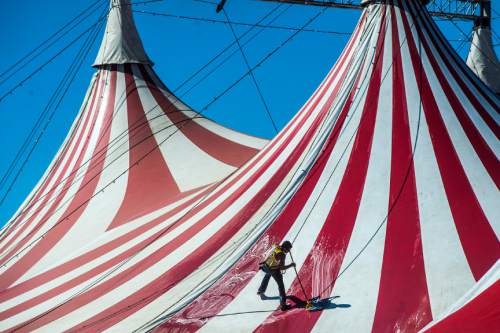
317,303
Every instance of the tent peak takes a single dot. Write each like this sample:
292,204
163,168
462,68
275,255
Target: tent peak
121,43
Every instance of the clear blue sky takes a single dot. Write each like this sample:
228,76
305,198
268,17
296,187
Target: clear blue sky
178,48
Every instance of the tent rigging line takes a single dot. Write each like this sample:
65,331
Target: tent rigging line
228,47
19,84
266,107
209,20
222,62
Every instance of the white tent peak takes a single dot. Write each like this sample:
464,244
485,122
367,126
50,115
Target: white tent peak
121,43
483,60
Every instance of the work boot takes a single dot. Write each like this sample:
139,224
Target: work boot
285,307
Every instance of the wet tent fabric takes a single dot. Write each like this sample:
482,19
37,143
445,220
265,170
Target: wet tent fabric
386,181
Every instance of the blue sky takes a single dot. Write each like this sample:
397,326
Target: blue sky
178,47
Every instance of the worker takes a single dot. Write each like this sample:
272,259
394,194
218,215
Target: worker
272,266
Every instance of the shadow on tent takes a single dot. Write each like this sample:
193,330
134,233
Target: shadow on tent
319,305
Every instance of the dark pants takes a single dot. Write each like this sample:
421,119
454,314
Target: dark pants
276,274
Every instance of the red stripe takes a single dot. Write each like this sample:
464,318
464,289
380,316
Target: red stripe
476,235
334,236
150,184
218,296
77,206
482,314
217,146
43,187
403,271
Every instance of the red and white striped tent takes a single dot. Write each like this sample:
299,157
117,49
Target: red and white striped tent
386,181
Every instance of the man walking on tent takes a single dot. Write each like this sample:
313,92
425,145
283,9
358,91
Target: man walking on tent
272,266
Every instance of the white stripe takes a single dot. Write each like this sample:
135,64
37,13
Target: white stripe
488,279
358,284
232,135
190,166
447,271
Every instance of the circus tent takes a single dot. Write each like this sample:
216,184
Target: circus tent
152,217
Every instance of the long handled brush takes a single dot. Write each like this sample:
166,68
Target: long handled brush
309,302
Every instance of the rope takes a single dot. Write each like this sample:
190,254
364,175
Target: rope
251,73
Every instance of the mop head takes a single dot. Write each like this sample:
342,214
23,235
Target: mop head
312,304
